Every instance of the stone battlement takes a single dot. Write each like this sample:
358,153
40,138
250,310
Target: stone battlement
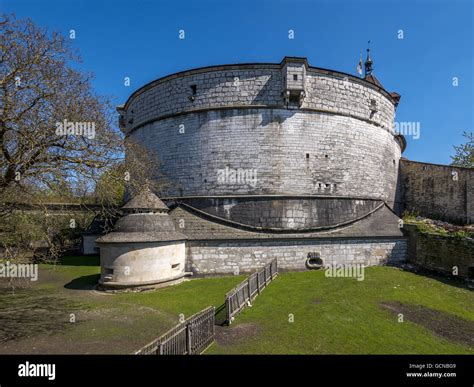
259,86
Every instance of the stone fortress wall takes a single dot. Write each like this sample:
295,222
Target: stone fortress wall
231,257
283,161
254,150
438,191
303,130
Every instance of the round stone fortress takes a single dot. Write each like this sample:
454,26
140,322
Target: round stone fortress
273,160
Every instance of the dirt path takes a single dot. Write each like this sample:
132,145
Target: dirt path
442,324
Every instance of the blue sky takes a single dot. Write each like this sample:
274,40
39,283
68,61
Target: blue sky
139,39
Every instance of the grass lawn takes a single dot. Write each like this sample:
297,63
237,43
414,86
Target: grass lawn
331,315
344,316
36,319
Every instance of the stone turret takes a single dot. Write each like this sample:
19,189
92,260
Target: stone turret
144,248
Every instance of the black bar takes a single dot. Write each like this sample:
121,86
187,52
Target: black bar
320,370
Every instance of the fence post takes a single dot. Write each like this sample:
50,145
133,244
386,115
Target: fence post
213,321
238,298
250,289
258,283
229,311
188,339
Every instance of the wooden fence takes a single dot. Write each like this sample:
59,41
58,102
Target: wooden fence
246,291
190,337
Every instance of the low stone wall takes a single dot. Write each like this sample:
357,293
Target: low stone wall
440,253
226,257
438,191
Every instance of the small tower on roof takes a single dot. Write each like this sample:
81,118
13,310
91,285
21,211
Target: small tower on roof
368,63
144,249
369,69
373,79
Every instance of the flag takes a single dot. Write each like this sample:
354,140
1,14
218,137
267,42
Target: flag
359,65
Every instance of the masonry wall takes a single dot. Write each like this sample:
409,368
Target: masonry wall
139,263
438,191
439,253
235,116
292,153
221,257
285,213
255,85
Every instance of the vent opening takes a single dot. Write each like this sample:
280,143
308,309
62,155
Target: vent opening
314,261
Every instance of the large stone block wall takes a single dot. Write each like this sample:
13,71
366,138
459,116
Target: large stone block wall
439,253
256,85
293,153
331,136
289,213
225,257
342,96
438,191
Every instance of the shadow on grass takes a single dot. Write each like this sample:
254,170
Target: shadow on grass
220,316
446,279
86,282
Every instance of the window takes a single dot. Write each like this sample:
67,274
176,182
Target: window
295,77
194,89
307,155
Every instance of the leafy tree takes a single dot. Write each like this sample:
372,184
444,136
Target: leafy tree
464,156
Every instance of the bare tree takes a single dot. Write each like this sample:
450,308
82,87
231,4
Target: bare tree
58,139
52,126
